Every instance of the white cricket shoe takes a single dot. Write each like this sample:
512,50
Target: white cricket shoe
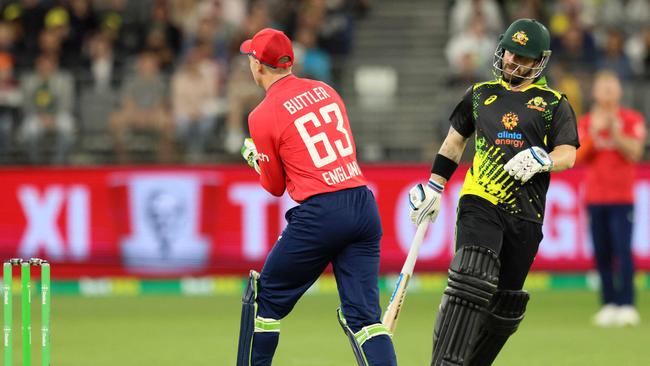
607,316
628,316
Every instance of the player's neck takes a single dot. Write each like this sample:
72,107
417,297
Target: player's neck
521,86
272,79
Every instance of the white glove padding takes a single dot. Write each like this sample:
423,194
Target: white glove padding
424,202
528,163
249,152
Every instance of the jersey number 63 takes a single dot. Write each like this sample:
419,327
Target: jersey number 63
344,149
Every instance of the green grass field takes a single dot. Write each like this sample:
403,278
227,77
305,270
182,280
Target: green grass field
174,330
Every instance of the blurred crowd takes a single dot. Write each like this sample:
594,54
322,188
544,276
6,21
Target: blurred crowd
587,36
155,76
123,81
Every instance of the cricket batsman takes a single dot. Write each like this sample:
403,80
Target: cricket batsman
523,131
302,142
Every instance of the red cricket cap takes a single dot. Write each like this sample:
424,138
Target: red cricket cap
269,46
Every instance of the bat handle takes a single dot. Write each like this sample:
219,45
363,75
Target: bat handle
411,258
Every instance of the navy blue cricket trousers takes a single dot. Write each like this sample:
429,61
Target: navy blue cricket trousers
342,228
611,232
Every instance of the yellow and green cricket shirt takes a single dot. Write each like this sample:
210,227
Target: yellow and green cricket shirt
507,122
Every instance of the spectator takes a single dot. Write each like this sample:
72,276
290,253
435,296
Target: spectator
184,14
28,16
10,99
47,108
163,38
576,50
160,19
531,9
637,14
144,107
213,29
463,11
194,102
614,58
103,69
638,49
257,19
243,96
570,86
469,53
7,38
83,24
121,27
158,44
612,141
313,62
51,43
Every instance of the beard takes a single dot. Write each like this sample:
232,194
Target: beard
513,78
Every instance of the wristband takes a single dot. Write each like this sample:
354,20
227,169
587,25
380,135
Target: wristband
443,166
436,186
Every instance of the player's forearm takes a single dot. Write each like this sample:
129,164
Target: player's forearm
631,148
452,148
564,157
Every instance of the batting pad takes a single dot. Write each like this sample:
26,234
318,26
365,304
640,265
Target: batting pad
473,279
499,323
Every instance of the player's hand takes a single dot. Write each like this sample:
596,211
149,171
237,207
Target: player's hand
249,152
424,201
528,163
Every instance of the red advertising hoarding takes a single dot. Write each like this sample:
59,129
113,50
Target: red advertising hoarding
195,221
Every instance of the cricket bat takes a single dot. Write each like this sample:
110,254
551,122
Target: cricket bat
397,299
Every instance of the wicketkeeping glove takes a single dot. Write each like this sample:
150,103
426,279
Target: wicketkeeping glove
528,163
249,152
424,202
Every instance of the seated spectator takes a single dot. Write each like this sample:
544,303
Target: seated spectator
102,69
614,58
243,96
83,23
51,43
158,44
27,16
10,99
143,107
47,107
638,49
7,38
160,19
213,29
313,62
163,38
194,102
576,50
463,11
469,53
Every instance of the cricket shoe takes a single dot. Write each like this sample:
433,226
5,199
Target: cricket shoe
607,316
628,316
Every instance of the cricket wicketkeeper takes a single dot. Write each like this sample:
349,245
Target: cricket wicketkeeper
523,131
302,143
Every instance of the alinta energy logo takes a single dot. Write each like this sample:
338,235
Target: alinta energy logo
509,137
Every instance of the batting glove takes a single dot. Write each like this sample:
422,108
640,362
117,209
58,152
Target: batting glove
249,152
528,163
424,202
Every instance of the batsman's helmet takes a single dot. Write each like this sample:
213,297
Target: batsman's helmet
527,38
